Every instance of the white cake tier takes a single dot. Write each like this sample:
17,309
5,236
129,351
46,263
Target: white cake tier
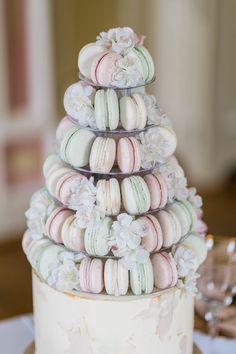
79,323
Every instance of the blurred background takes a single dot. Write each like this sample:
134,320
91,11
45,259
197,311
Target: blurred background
194,48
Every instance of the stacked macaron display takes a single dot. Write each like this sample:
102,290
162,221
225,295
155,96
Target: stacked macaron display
116,216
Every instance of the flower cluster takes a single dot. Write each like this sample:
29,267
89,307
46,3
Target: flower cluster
41,206
78,103
64,274
119,40
175,179
125,240
154,113
83,199
127,72
186,261
153,147
195,199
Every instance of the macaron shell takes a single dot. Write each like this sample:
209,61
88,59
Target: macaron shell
86,57
128,155
72,236
112,109
52,162
167,226
153,241
64,126
154,189
148,277
109,276
55,222
122,278
115,196
164,273
177,226
100,110
147,62
102,156
128,113
183,216
103,67
84,274
136,280
64,185
96,280
135,195
96,238
79,144
141,110
53,178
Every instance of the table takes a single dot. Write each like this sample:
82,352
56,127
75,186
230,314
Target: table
17,333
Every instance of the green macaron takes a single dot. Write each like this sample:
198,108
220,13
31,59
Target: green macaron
96,238
135,195
106,109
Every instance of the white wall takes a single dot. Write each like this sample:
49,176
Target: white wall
194,48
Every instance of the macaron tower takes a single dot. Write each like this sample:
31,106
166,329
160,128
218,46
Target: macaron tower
116,236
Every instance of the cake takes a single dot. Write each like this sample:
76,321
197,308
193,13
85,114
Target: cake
116,235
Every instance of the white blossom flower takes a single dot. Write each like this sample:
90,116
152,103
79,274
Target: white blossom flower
64,277
185,260
189,283
125,240
78,103
127,73
155,114
154,147
174,178
194,198
83,199
119,40
41,206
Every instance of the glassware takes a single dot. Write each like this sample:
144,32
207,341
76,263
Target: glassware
217,281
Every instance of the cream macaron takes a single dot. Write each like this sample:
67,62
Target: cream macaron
108,196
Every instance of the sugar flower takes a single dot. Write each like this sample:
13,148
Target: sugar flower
41,206
189,283
127,73
175,179
185,262
78,103
153,147
125,240
119,40
194,198
83,199
64,273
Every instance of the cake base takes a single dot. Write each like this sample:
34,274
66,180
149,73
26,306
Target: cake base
31,349
81,323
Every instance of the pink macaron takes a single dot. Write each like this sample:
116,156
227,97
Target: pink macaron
55,222
63,127
164,269
158,190
63,189
128,155
153,241
91,274
103,67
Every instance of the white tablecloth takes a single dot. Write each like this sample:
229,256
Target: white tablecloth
17,333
